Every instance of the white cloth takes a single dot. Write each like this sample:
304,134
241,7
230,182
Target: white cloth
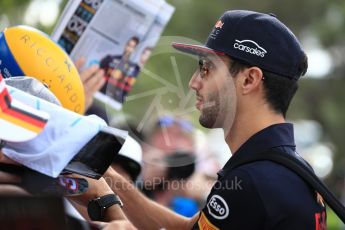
132,150
64,135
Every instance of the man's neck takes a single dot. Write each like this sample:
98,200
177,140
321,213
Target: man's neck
247,125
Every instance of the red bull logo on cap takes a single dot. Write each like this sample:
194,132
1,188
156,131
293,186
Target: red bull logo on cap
219,24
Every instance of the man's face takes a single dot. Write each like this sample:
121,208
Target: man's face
130,47
215,91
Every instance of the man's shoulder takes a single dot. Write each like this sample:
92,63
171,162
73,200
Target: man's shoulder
266,168
266,173
270,190
276,184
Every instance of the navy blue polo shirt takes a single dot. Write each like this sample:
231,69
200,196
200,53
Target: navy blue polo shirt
263,194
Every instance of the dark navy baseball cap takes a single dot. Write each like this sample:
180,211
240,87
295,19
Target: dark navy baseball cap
256,38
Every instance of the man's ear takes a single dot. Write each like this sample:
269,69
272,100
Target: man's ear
251,80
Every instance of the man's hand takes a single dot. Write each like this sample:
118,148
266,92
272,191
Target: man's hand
97,188
117,224
7,177
9,189
4,159
92,79
13,190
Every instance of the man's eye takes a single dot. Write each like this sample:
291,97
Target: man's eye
201,64
204,69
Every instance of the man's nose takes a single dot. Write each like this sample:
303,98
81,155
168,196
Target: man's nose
194,82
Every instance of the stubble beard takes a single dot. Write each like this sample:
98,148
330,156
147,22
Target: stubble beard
210,113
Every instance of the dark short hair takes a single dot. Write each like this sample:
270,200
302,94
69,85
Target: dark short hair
135,39
279,90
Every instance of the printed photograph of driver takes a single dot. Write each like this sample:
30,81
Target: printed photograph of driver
121,72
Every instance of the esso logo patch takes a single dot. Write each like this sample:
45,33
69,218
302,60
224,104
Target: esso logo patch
217,207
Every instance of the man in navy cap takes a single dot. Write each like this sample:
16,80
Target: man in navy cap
247,76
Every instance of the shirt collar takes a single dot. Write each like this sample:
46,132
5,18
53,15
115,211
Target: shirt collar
273,136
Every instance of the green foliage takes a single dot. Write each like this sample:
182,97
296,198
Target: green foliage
333,222
14,10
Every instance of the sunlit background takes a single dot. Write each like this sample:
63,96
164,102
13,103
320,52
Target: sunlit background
318,110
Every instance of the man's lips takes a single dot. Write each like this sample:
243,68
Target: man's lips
199,102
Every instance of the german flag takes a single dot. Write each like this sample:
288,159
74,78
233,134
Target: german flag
18,122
